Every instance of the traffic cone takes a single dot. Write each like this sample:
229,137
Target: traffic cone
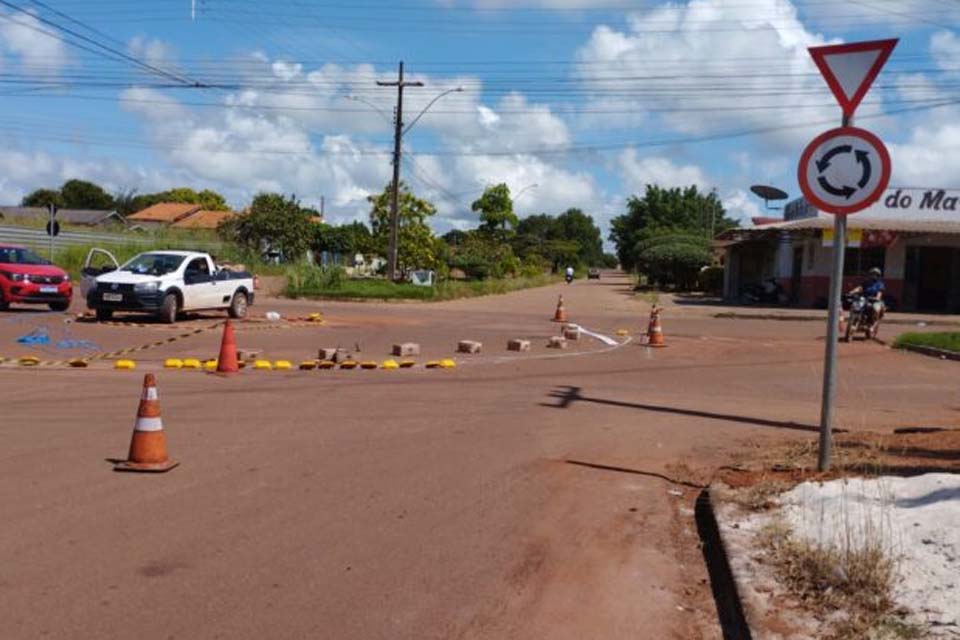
654,330
560,315
148,447
227,362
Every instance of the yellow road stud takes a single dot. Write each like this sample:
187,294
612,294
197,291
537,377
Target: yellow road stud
623,332
308,365
408,364
447,363
210,365
433,364
282,365
173,363
368,364
29,361
349,364
263,365
79,363
191,363
389,365
125,365
326,364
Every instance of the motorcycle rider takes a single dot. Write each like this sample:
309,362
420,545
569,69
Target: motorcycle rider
872,289
569,275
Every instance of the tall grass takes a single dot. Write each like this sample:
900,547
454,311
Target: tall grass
331,283
948,341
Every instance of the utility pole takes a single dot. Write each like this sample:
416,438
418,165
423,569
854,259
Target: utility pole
322,216
395,195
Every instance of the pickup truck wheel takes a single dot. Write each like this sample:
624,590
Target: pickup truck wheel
168,310
103,315
238,306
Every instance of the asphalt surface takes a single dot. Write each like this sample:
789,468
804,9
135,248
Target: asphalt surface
479,502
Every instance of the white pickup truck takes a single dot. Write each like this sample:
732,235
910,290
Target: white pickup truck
165,283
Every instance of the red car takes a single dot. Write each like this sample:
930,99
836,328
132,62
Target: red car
25,277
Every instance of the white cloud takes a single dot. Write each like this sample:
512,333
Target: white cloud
741,206
151,50
945,49
638,172
709,65
22,36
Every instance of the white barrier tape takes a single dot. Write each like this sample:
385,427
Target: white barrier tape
150,393
149,424
607,340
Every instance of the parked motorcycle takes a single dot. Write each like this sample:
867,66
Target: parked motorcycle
767,292
861,318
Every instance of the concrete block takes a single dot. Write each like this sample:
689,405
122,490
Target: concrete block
571,332
557,342
333,355
248,354
518,345
406,349
469,346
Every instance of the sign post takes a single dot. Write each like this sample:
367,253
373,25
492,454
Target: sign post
843,171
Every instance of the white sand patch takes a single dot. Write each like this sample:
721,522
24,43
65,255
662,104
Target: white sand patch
917,519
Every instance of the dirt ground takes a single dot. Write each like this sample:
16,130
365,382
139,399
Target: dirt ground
536,495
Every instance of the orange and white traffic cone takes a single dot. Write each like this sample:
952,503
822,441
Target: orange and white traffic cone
227,362
148,447
654,330
560,315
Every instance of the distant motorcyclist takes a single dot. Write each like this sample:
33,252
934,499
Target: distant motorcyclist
872,289
569,275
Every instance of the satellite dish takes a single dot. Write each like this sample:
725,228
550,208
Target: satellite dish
769,193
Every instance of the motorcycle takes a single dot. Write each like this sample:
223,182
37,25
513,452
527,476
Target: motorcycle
768,292
568,278
861,318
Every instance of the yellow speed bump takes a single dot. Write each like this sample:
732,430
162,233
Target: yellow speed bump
173,363
126,365
408,364
29,361
326,364
433,364
389,365
348,364
262,365
368,364
623,332
191,363
282,365
315,317
210,365
447,363
308,365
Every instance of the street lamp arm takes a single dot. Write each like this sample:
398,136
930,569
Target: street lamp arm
371,105
430,104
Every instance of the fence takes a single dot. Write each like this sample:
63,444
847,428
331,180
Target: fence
38,239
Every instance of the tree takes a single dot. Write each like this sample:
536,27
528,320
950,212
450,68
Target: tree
347,239
42,198
80,194
687,210
207,199
496,210
575,226
673,258
417,248
274,223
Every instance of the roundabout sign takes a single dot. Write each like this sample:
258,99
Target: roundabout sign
844,170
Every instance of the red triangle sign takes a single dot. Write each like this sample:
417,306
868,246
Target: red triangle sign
850,69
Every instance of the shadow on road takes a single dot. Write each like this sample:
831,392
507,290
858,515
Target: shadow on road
568,395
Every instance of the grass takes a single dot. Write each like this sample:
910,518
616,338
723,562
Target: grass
313,282
948,340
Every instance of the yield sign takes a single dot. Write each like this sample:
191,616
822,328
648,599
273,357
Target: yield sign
850,69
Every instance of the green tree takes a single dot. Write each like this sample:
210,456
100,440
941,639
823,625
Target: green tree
496,210
81,194
688,210
574,225
42,198
207,199
673,258
346,240
274,223
417,248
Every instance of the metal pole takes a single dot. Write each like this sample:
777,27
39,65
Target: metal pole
395,191
833,329
50,229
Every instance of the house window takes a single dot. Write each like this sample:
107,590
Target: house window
858,261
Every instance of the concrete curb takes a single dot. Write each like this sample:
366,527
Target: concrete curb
931,352
723,580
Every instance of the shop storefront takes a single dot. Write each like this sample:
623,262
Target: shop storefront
912,235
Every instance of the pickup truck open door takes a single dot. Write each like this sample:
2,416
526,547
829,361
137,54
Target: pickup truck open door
98,262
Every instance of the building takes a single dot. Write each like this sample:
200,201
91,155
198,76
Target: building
179,216
912,235
79,217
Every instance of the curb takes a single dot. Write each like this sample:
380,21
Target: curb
931,352
723,583
732,315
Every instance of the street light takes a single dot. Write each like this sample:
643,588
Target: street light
382,113
524,190
399,132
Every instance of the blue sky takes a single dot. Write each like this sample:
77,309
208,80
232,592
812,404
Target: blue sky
589,100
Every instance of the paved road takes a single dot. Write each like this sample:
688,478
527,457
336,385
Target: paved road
418,504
